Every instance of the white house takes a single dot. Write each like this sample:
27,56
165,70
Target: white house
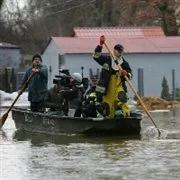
10,60
145,47
10,55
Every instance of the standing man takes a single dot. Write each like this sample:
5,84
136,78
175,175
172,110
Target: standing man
111,88
37,88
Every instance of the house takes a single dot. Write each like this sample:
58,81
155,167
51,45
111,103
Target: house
146,49
10,60
10,55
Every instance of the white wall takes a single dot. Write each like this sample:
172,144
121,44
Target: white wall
155,67
50,59
75,61
10,57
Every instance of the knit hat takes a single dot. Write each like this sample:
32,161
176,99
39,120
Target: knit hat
77,77
119,48
37,56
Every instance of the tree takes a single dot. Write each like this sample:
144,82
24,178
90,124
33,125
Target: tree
167,15
31,26
1,2
165,89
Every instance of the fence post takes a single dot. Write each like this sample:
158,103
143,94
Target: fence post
0,104
19,78
173,85
140,82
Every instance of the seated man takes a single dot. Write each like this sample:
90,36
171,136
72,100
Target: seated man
121,105
90,108
73,94
89,103
55,101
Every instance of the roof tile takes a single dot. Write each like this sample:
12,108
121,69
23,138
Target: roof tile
119,32
131,45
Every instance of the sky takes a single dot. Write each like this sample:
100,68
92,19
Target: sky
11,4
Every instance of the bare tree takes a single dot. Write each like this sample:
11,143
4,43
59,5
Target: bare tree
1,1
32,26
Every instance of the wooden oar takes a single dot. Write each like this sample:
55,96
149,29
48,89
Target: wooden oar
4,117
133,89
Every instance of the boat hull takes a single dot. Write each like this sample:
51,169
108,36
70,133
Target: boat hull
54,124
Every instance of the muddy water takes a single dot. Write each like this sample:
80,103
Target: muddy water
26,156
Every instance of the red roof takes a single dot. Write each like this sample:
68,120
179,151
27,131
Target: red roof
70,45
132,32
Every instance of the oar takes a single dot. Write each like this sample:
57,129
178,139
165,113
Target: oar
4,117
133,89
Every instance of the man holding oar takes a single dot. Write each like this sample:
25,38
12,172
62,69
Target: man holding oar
37,88
111,87
35,79
127,78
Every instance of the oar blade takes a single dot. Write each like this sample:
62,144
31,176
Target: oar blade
3,119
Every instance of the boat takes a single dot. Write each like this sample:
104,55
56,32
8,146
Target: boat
54,124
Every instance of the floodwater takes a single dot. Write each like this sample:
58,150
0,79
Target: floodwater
25,156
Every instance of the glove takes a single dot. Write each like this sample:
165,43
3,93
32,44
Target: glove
35,70
124,73
98,49
20,92
102,40
99,97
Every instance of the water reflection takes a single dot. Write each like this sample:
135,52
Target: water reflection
38,138
26,156
74,157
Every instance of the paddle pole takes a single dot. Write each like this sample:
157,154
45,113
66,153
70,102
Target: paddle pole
4,117
133,89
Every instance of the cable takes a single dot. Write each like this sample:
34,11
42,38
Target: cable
51,6
58,4
64,10
61,11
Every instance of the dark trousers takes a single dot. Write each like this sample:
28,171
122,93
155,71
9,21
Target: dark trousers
78,112
37,106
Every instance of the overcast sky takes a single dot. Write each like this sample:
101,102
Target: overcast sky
12,4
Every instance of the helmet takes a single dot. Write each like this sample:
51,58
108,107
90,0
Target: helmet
77,77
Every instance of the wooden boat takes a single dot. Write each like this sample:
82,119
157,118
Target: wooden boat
53,124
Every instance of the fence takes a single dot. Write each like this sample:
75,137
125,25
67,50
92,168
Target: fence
8,80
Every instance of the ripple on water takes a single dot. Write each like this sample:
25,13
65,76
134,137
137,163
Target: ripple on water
75,157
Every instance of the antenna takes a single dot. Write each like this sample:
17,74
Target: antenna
82,71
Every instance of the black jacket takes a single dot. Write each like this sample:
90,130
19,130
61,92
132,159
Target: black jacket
37,88
107,71
54,100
